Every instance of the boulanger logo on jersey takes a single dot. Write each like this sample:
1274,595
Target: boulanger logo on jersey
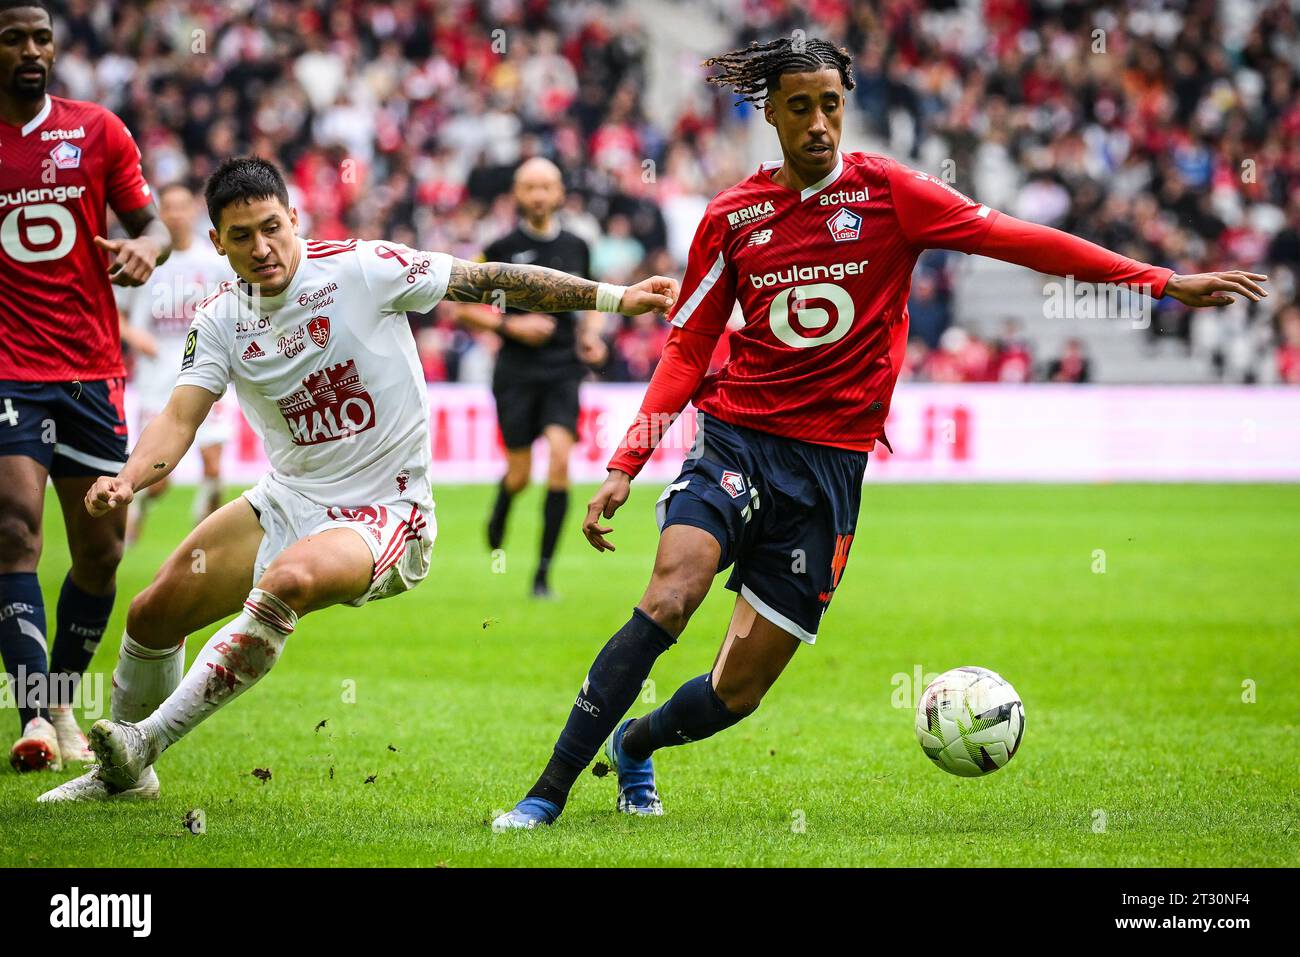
332,404
40,229
798,315
782,277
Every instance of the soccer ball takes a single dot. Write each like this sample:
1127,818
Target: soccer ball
970,721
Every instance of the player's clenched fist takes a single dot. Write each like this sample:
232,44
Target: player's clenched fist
108,492
656,294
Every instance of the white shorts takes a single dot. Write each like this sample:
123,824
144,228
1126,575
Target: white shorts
400,533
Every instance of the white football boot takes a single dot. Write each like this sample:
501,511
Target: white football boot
91,787
124,752
72,742
37,749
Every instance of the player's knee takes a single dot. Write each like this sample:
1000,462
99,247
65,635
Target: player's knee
94,565
20,541
292,583
516,479
671,605
741,695
557,477
150,618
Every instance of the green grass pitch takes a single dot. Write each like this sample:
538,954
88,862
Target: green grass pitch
1142,746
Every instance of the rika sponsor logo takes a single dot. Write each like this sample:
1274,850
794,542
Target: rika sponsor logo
66,156
319,330
842,196
845,225
78,134
783,277
55,194
254,351
733,484
332,404
750,214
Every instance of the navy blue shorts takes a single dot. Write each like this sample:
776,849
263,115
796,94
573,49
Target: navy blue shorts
74,429
783,511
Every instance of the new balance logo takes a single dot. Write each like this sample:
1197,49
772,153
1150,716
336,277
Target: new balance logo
759,237
750,213
254,351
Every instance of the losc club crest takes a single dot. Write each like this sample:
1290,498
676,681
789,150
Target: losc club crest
66,155
845,225
319,330
733,484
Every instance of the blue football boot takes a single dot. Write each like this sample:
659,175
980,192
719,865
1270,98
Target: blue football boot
529,813
636,779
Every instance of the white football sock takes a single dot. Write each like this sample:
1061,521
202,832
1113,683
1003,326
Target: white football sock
233,660
143,678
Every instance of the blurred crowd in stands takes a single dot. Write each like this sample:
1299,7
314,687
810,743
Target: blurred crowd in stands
1167,131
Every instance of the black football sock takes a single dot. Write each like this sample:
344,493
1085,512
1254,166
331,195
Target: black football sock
612,684
497,520
693,713
82,618
553,512
22,643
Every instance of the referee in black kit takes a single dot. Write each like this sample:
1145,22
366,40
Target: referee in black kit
542,359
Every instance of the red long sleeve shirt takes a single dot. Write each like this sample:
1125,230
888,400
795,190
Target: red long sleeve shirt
822,277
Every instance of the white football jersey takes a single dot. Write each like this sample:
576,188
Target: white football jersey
164,307
327,372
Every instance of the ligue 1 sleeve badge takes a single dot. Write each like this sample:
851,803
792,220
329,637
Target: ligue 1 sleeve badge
845,225
319,330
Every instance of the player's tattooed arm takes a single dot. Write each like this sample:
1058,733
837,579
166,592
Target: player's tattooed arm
535,288
538,289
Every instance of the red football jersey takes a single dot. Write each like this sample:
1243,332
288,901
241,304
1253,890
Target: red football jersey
58,319
822,277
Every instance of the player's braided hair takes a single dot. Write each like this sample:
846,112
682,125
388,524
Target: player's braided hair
754,73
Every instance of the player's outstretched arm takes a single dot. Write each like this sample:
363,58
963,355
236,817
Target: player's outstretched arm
933,215
538,289
167,437
1058,253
